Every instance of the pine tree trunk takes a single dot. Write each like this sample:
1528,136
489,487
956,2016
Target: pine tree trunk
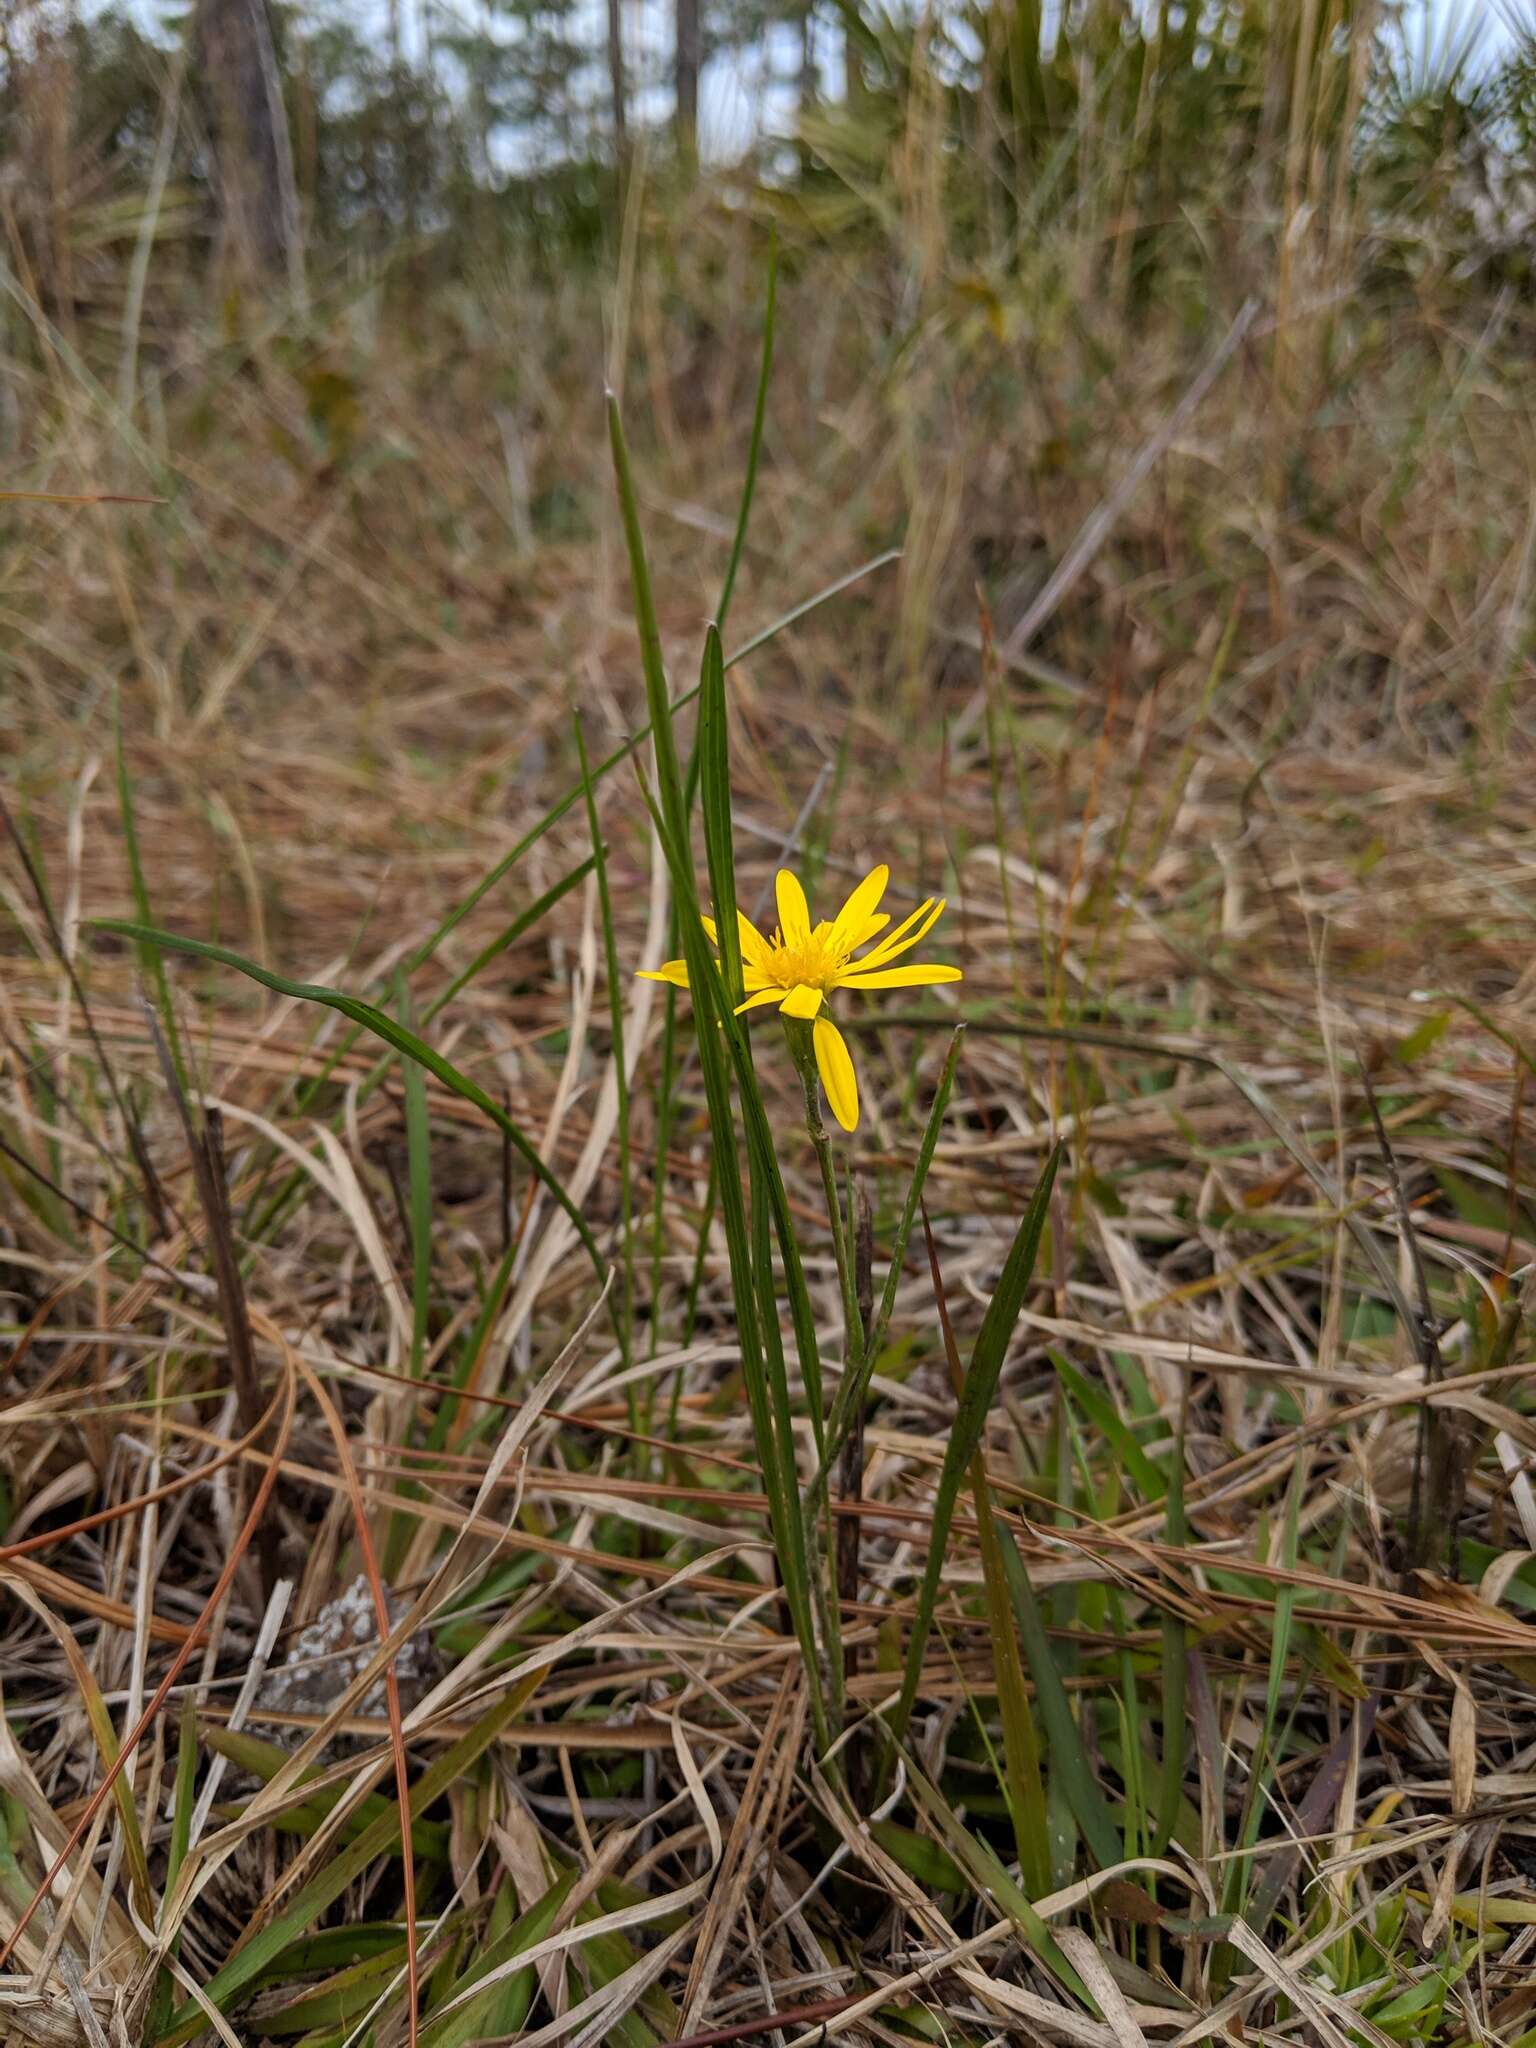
688,55
257,192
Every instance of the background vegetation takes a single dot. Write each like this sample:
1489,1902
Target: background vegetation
1105,446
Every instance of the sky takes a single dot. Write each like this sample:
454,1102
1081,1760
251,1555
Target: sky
747,92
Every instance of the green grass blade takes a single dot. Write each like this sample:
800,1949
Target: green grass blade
474,1344
1240,1874
509,936
755,445
1100,1410
715,789
504,2008
183,1800
761,1352
382,1026
810,604
992,1880
599,862
970,1418
854,1390
669,777
719,1050
151,964
418,1148
327,1885
1175,1669
715,782
185,1797
1023,1785
1070,1767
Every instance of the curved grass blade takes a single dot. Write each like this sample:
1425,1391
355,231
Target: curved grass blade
382,1025
505,2006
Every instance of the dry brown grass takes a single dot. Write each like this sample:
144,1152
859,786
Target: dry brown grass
1245,838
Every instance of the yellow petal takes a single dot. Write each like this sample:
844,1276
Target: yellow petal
909,933
675,971
872,925
794,911
899,977
802,1001
894,938
772,994
837,1076
849,925
754,947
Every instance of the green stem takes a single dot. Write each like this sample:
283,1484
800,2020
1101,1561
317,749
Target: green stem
819,1507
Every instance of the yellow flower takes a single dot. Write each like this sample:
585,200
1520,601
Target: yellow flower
800,966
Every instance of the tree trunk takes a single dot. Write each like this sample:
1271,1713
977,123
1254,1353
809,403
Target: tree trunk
688,77
616,87
257,191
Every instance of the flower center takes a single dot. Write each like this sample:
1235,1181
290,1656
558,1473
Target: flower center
810,964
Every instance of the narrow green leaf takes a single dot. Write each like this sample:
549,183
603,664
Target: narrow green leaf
1023,1786
755,445
183,1801
418,1146
715,779
854,1391
975,1401
1241,1870
151,965
504,2008
382,1026
329,1883
720,1049
261,1759
919,1856
1175,1669
991,1879
1100,1411
1069,1759
621,1074
342,1998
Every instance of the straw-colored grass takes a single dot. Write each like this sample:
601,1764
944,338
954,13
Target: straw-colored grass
1222,1718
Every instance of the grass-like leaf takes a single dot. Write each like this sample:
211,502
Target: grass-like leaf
1071,1770
720,1039
382,1025
328,1884
976,1400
